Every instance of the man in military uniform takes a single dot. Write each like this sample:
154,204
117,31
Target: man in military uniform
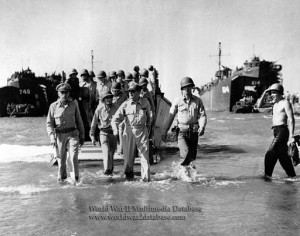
66,131
102,118
191,121
118,98
103,85
73,81
136,113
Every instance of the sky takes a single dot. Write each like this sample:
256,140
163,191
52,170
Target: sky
178,37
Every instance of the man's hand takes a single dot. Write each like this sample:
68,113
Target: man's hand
52,141
201,131
81,142
164,137
117,137
93,140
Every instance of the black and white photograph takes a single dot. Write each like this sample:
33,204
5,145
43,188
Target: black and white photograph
149,117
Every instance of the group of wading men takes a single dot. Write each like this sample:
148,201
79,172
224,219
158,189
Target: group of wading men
122,108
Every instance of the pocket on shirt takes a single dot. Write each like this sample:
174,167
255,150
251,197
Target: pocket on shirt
58,119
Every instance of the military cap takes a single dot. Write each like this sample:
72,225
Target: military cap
116,85
128,77
133,86
121,72
91,73
73,71
107,93
63,87
101,74
84,72
112,74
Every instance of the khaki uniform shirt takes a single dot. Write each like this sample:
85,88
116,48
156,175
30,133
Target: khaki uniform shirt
136,114
102,117
62,117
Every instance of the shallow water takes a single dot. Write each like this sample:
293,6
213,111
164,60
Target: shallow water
225,196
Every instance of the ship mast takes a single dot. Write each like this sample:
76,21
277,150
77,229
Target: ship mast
220,56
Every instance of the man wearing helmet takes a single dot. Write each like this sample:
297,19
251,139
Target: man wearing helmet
66,131
102,118
191,120
283,131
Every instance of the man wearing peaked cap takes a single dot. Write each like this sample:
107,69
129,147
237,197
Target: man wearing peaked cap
63,87
66,131
102,118
135,112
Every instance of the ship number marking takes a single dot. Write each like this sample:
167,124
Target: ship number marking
24,91
225,89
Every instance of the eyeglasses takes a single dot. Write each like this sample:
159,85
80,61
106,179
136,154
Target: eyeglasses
64,92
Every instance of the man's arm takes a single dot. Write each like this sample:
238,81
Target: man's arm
94,125
202,119
168,122
50,125
291,119
118,118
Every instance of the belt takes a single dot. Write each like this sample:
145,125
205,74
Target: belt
107,130
279,126
63,131
188,126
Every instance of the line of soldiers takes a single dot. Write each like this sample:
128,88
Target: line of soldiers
123,108
83,106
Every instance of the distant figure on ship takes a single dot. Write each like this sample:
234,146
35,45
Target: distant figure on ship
191,122
283,131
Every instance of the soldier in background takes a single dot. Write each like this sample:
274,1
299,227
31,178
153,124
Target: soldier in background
66,131
118,98
103,84
112,76
73,81
121,79
88,99
191,122
128,79
136,77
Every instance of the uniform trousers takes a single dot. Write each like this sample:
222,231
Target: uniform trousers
132,138
67,142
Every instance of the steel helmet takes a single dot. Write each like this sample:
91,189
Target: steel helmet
73,71
151,68
136,68
116,85
112,74
91,73
107,93
186,81
276,87
121,72
84,72
128,77
101,74
145,73
143,81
